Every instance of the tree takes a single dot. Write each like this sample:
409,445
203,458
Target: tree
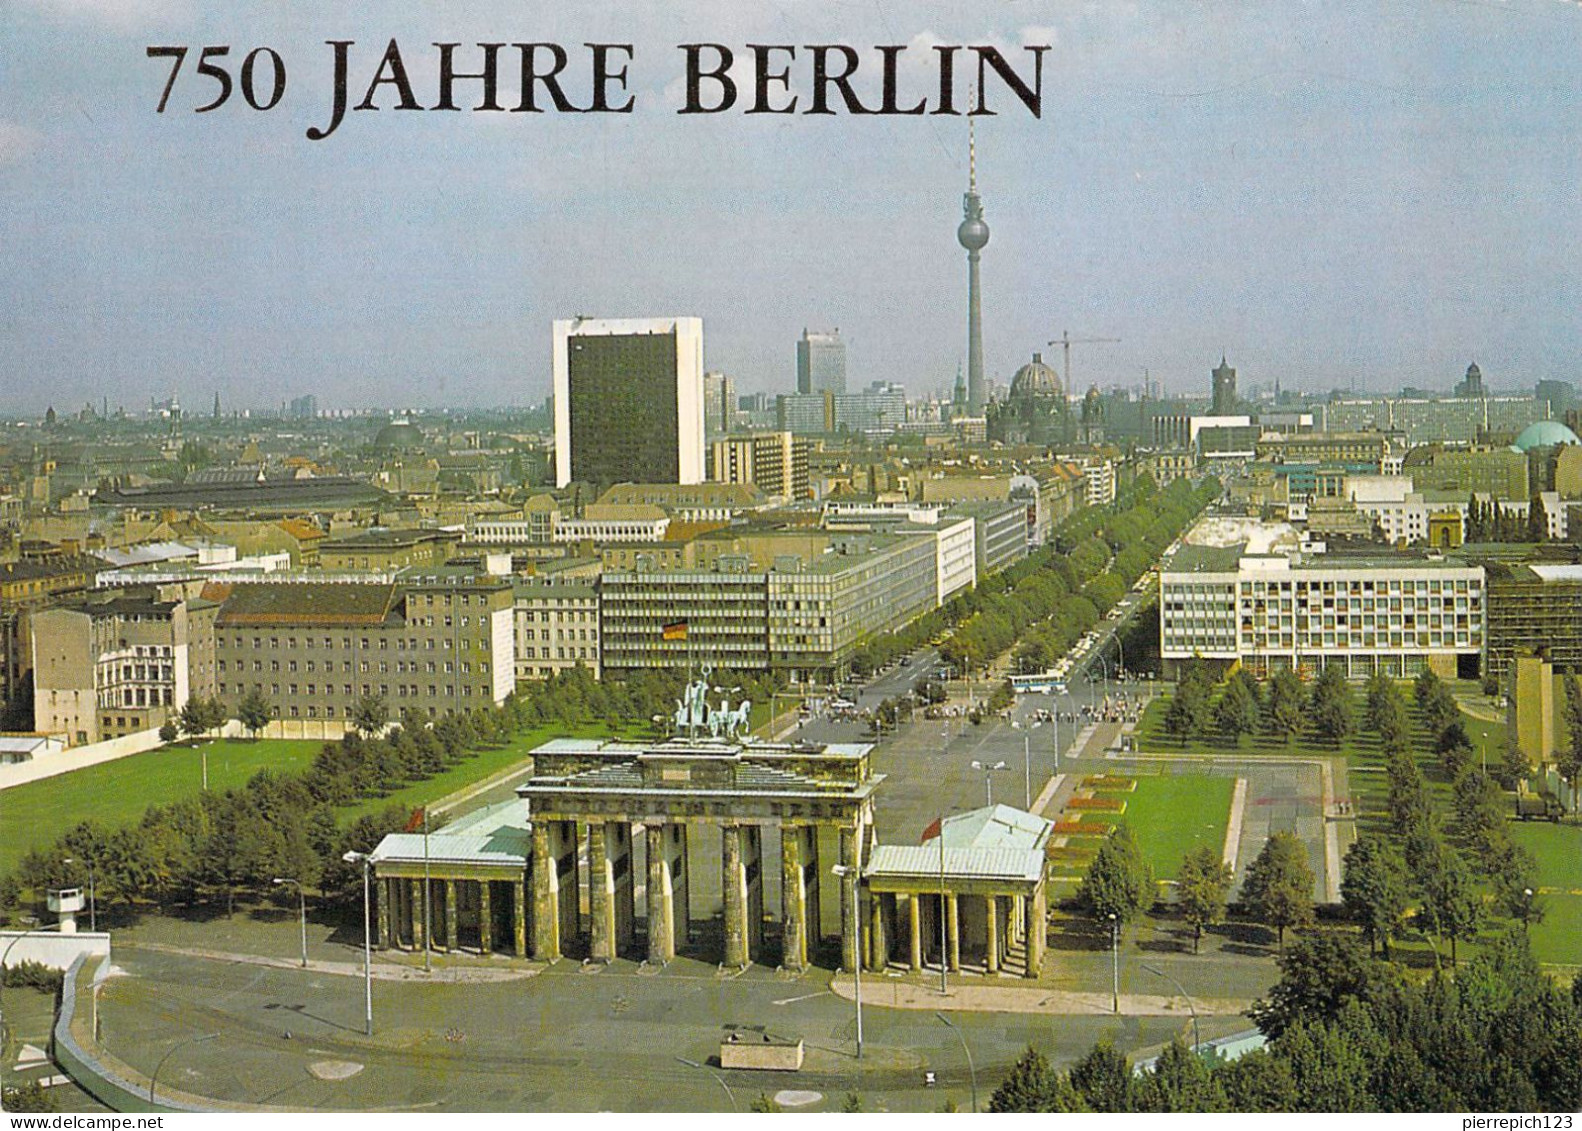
1318,977
1373,889
1409,804
1279,885
254,712
1382,698
1330,709
1029,1086
200,715
851,1104
1286,708
1569,757
1452,906
1201,888
1103,1078
763,1104
1236,713
370,715
1515,766
169,732
1180,1081
1537,520
1119,882
1188,713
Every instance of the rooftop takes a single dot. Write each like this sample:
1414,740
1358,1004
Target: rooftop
307,603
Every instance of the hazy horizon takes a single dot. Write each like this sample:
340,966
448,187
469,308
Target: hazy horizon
1321,195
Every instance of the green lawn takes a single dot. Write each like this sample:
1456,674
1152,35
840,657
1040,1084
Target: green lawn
1559,851
1172,814
117,793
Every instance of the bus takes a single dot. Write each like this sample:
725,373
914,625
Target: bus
1047,683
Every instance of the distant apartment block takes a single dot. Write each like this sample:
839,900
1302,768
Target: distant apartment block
775,462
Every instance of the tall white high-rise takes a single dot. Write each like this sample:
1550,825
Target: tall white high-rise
628,400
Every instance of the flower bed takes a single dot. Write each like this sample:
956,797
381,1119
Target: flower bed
1107,783
1079,828
1097,804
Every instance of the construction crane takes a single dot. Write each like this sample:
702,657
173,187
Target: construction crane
1066,341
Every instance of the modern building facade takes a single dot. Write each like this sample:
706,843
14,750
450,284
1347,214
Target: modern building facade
775,462
628,400
820,362
1366,614
557,625
1534,609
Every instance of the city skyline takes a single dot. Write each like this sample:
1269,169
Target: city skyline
1324,198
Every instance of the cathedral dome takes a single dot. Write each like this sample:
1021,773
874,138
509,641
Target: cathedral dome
1545,434
399,434
1035,379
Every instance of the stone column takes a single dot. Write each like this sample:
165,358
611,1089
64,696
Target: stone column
452,918
953,931
622,862
681,907
601,891
661,897
878,945
381,915
485,920
793,899
546,893
992,951
753,866
1018,918
519,916
914,916
565,841
813,876
1037,931
850,929
733,887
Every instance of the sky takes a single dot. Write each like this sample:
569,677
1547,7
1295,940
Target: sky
1360,195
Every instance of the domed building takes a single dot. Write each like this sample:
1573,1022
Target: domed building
1036,410
1545,434
399,435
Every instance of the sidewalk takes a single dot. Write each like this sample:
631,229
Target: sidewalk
974,994
444,971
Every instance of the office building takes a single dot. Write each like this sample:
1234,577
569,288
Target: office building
719,403
557,625
438,641
628,401
1534,608
806,414
1381,613
775,462
820,362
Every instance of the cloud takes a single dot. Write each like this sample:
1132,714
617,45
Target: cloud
16,142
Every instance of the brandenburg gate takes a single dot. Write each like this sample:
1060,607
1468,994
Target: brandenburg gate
595,793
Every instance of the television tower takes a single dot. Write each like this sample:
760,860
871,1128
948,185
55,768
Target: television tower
973,235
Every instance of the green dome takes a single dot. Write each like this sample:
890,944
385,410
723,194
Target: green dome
1545,434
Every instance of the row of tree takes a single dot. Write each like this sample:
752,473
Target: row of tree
222,843
1347,1033
1457,874
1243,707
1492,522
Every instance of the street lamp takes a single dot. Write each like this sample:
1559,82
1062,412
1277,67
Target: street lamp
730,1095
842,871
179,1046
1115,965
971,1071
988,780
93,910
368,968
1197,1041
302,910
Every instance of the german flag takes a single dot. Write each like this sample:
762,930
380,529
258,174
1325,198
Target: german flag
675,630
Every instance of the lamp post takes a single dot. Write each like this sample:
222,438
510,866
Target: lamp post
1197,1041
1115,964
93,909
730,1095
988,780
972,1072
302,913
842,871
178,1047
368,968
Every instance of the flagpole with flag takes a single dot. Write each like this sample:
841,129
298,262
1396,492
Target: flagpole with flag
670,633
